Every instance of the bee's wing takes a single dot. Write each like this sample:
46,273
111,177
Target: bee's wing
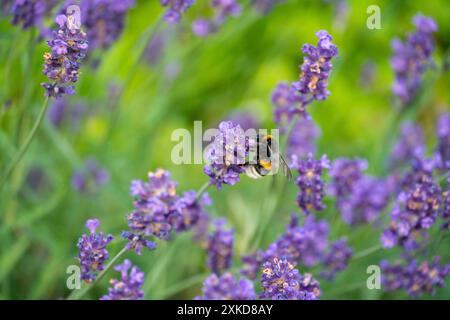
287,172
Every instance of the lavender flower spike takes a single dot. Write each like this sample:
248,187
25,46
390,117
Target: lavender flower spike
175,10
281,281
227,287
69,46
443,133
412,58
129,287
310,182
316,69
92,251
220,247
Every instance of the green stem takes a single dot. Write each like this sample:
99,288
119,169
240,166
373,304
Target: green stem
26,145
202,190
76,295
367,252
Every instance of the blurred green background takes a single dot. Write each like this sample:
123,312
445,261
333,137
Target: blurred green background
235,69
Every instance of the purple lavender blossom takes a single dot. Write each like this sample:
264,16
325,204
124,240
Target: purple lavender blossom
415,279
412,58
129,287
410,143
310,183
155,49
154,202
443,148
226,155
222,10
202,27
189,211
104,20
287,103
220,247
316,69
29,13
56,112
367,200
69,46
92,251
281,281
336,259
137,242
415,211
305,244
251,264
246,120
302,140
344,173
91,175
227,287
175,10
446,206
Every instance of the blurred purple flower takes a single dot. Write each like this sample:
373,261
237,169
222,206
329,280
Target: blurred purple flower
415,279
222,10
189,211
287,103
305,244
175,10
92,251
443,148
220,247
336,259
227,287
202,27
264,6
302,140
410,143
91,172
246,120
412,58
104,20
344,173
129,287
30,13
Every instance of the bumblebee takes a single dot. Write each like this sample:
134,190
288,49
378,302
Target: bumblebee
264,153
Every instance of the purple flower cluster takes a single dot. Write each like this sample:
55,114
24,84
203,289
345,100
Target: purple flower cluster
69,46
92,251
220,247
359,198
30,13
287,103
302,140
368,199
226,155
410,143
222,10
446,207
175,10
305,244
415,211
189,211
344,173
310,183
129,287
104,20
412,58
336,259
443,148
91,173
416,279
227,287
316,69
158,210
281,281
154,201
